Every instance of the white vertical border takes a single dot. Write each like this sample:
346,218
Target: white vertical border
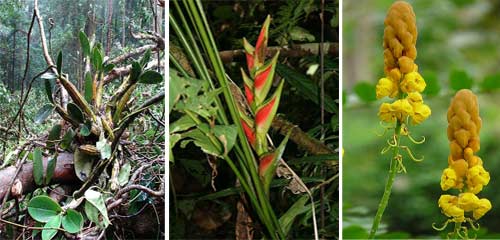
341,148
167,127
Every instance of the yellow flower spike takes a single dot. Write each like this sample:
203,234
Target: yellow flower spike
483,206
465,171
413,82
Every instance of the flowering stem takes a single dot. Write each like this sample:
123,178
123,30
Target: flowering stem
456,235
388,185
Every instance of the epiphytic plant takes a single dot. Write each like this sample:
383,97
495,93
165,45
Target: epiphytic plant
404,84
465,171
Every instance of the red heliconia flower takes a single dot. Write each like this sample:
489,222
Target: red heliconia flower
261,77
264,112
265,162
249,132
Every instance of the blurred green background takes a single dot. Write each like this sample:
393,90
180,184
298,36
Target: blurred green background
458,47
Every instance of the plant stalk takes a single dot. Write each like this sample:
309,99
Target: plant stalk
388,186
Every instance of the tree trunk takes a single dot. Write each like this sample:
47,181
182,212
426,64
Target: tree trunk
109,24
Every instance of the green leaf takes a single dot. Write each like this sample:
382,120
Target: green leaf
287,219
67,139
54,135
301,34
92,213
104,148
124,174
59,62
72,221
48,90
96,199
83,164
84,130
43,208
135,72
43,113
97,57
108,67
151,77
354,232
305,87
433,87
201,140
54,222
491,82
84,42
182,124
460,80
89,92
145,58
38,166
226,135
75,112
51,166
365,91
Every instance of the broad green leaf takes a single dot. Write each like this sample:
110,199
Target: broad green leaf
135,72
108,67
59,62
51,166
54,135
96,199
67,139
54,222
83,164
491,82
226,135
89,92
75,112
145,58
38,166
43,113
92,213
354,232
365,91
460,80
97,58
124,174
305,87
174,89
174,138
151,77
201,140
43,208
104,148
84,130
182,124
84,42
299,207
48,90
433,87
301,34
72,221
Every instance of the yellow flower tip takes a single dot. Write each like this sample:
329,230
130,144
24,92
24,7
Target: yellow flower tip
413,82
385,114
467,201
406,64
448,179
385,87
460,166
483,206
395,74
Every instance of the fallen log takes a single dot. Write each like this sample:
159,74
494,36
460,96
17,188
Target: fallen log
63,173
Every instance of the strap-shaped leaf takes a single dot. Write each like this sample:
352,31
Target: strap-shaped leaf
264,79
38,166
84,42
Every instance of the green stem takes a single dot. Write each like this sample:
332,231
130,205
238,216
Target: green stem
388,185
458,225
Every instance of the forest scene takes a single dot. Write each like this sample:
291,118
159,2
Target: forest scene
82,122
253,119
457,57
